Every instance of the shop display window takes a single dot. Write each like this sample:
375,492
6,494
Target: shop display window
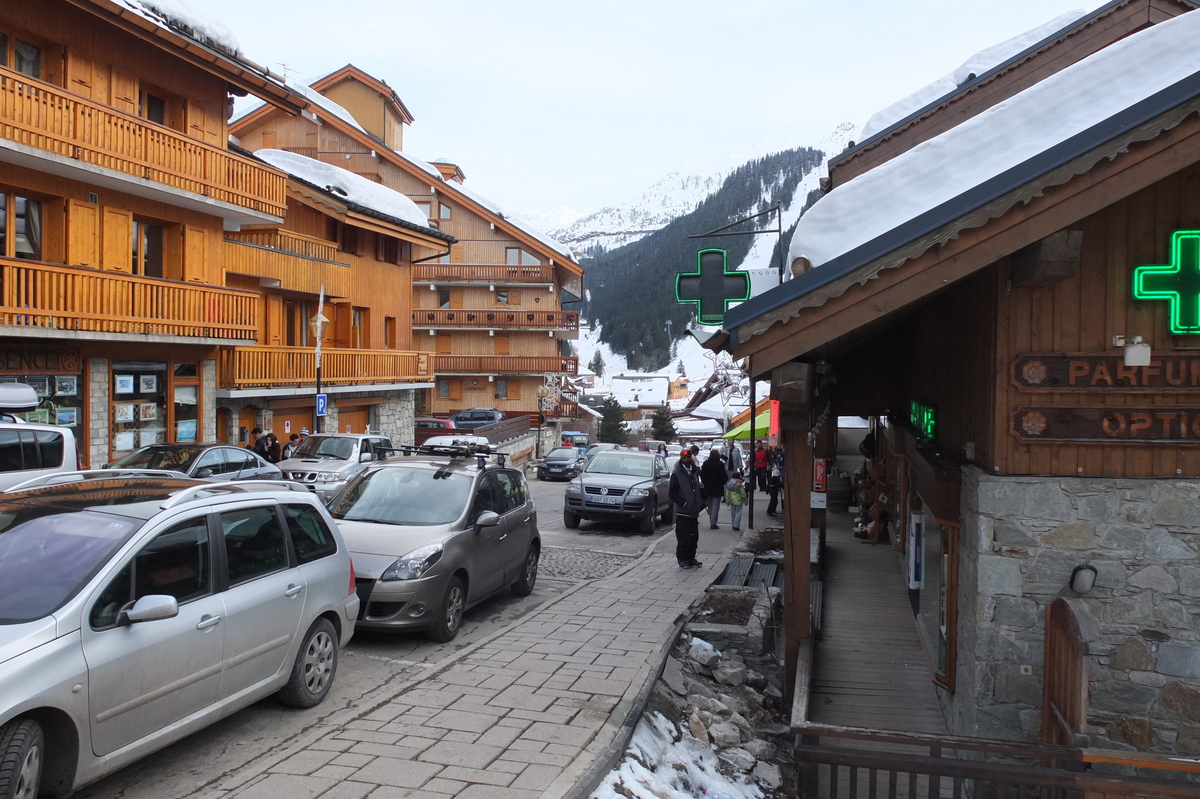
139,405
60,399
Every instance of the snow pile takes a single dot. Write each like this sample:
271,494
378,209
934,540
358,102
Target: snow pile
352,187
980,63
182,17
664,765
636,389
1005,136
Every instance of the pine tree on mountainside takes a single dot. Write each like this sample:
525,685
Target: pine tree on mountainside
612,422
596,364
680,368
661,426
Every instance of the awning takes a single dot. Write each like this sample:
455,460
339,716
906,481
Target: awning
762,426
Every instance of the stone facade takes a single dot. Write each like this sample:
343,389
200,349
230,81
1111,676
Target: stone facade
1021,537
99,412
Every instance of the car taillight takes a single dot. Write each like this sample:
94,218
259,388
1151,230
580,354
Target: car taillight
353,587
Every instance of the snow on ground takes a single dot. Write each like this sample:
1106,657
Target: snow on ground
1002,137
661,763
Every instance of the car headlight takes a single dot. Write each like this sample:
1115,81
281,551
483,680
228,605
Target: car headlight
575,485
639,491
414,565
329,477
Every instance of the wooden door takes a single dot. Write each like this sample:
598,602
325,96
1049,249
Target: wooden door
247,419
223,426
274,324
501,344
456,299
443,343
1065,682
123,92
292,420
83,234
353,418
117,240
81,77
195,254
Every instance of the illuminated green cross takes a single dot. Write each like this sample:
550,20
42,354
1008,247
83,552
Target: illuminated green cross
1178,282
712,287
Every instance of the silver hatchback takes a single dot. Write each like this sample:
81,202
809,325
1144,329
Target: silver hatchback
137,610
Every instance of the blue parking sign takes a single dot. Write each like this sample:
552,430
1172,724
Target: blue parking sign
322,404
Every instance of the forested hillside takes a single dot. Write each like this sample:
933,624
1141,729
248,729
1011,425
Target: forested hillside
632,288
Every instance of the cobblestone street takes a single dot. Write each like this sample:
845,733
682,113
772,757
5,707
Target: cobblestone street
581,564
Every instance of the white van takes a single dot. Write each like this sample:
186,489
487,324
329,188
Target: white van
29,450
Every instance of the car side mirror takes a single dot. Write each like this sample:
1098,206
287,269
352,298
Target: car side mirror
366,457
489,518
201,473
153,607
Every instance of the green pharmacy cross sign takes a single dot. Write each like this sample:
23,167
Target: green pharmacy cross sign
1177,282
712,287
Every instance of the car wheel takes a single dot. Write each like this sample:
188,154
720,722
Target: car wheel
21,754
570,520
647,523
315,667
524,585
668,515
450,615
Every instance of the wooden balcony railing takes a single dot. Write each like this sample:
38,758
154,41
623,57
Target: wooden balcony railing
481,273
494,319
42,295
563,410
47,117
503,364
270,367
287,241
294,272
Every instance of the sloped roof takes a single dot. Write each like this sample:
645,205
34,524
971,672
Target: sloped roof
351,72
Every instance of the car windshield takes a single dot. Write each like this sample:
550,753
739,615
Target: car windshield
48,553
566,453
629,463
174,458
398,495
342,449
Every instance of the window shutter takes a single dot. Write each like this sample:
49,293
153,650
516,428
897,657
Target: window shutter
117,240
83,234
123,92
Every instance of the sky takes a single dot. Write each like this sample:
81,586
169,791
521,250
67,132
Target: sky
582,104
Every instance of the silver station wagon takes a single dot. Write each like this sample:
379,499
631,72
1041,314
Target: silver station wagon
137,610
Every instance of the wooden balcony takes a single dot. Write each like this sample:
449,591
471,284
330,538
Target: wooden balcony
449,274
287,241
46,117
281,367
460,319
295,271
39,295
503,364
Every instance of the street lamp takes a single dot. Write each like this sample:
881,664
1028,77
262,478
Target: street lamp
317,326
542,393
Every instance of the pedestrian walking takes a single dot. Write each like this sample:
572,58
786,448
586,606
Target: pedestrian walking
774,481
686,493
259,443
662,450
735,498
734,461
289,449
762,466
713,478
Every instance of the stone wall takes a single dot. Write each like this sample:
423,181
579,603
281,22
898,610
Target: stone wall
1021,537
99,424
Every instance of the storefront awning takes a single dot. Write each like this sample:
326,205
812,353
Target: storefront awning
762,426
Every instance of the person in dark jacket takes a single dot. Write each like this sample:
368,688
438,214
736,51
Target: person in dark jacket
274,451
713,478
688,495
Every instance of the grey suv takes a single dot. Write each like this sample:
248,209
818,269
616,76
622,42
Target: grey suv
620,484
135,611
434,534
325,462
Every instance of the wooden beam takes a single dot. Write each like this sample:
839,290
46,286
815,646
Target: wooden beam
797,521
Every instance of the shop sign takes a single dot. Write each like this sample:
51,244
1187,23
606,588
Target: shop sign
820,474
26,360
1177,425
924,419
1177,283
1102,372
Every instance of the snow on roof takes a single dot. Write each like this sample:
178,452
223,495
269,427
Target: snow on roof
637,390
315,97
980,63
352,187
552,243
182,17
1002,137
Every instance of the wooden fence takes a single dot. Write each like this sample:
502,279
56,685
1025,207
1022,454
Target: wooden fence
269,367
481,273
493,319
504,364
295,272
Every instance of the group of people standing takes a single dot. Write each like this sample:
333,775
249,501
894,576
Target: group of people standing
266,445
694,488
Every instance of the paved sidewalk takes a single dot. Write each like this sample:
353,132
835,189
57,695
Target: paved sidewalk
521,715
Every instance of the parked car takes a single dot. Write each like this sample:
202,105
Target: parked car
620,484
325,462
136,611
596,449
562,462
202,461
456,440
433,423
476,417
29,450
434,534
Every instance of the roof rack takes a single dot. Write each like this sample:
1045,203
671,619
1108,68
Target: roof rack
480,452
62,478
230,486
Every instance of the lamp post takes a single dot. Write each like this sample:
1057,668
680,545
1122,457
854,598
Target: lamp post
542,393
317,326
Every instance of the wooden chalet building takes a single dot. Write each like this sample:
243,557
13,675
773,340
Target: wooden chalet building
981,280
487,310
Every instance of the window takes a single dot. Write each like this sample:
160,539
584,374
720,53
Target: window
389,332
20,227
443,393
502,297
28,449
485,497
152,107
147,248
254,543
515,256
387,249
510,494
213,460
426,207
443,211
443,298
348,239
501,388
311,539
358,332
175,563
24,57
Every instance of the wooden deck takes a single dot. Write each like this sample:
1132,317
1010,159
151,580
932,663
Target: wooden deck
869,669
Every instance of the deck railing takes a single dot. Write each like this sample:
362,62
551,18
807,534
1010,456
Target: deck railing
294,272
503,364
441,318
47,117
287,241
34,294
481,273
271,367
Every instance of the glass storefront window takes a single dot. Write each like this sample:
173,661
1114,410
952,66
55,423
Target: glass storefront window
187,413
139,405
60,399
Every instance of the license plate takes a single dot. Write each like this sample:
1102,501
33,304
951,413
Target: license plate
607,500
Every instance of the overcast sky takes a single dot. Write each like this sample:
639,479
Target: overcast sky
583,104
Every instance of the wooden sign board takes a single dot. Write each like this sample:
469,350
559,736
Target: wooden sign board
1069,372
1176,425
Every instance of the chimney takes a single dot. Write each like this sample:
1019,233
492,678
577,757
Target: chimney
450,171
